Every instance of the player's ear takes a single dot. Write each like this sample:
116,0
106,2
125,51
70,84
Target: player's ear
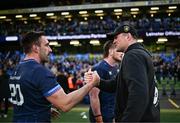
110,52
35,48
129,35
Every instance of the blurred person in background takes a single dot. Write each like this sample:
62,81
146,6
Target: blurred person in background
102,103
63,81
4,92
34,87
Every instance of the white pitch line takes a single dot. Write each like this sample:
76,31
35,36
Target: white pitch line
173,103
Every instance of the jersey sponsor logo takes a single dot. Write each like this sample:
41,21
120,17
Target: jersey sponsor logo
110,73
16,94
15,77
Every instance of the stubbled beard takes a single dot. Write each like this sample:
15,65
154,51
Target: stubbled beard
44,60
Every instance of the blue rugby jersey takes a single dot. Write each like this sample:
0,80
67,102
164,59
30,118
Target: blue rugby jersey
107,100
30,84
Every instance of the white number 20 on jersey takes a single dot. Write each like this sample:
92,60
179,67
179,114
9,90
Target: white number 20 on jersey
16,95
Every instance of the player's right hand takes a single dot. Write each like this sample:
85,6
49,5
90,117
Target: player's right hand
92,76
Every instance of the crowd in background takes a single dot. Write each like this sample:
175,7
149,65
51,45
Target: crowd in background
72,67
92,25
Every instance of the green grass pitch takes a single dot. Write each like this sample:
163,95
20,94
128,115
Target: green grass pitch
79,113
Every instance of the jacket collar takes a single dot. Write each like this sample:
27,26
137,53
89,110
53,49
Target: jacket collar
135,46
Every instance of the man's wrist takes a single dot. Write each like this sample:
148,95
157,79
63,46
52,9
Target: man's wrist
98,119
99,115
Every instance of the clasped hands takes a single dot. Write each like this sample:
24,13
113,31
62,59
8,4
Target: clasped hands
91,76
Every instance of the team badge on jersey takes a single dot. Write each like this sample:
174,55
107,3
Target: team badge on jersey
110,73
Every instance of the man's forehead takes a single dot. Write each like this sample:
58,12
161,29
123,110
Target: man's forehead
44,40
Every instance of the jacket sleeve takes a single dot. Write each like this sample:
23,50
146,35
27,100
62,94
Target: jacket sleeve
136,79
108,85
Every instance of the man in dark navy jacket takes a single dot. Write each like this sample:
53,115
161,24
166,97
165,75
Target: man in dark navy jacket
136,91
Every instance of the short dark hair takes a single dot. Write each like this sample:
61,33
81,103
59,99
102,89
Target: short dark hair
108,45
29,39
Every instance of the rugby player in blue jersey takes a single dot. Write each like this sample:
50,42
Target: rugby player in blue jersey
102,103
34,88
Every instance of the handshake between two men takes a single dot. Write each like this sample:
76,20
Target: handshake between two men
91,76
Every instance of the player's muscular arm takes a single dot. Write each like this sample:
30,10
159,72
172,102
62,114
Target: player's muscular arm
65,101
95,104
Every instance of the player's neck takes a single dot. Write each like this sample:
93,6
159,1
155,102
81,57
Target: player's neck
32,56
110,61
